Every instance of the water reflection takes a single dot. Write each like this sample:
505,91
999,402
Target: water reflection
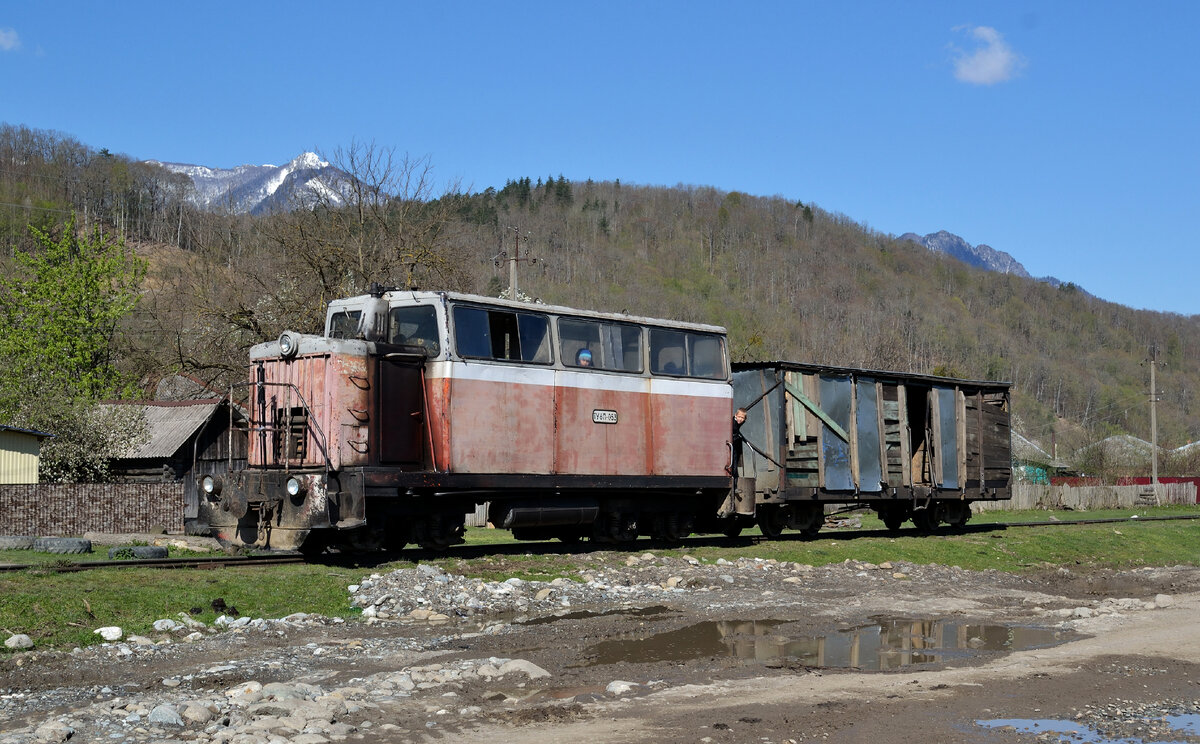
1078,733
888,644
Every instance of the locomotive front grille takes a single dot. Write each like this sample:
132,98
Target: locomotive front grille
291,440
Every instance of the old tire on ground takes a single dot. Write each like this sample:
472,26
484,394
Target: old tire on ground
62,545
137,551
16,543
196,528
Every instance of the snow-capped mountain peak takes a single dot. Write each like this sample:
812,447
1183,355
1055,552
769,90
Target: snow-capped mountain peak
309,160
304,181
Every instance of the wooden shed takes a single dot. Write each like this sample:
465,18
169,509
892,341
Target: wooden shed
20,452
187,439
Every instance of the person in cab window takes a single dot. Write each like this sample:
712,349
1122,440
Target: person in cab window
583,358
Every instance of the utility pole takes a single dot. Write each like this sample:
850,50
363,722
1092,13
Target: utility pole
512,261
1153,417
516,256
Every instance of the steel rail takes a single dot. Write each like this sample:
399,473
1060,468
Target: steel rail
206,562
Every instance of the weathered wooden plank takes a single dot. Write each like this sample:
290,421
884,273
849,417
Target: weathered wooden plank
816,410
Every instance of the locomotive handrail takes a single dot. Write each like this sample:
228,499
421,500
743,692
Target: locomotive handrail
262,427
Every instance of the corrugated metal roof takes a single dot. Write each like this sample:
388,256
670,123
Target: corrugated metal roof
34,432
169,426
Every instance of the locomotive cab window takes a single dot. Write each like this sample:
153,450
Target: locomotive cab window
610,346
684,354
501,334
416,327
344,324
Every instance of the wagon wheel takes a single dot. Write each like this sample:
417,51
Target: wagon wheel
956,514
928,518
772,519
809,520
893,517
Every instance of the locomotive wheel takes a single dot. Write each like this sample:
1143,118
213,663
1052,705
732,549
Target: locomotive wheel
437,533
615,527
733,530
315,544
672,527
772,519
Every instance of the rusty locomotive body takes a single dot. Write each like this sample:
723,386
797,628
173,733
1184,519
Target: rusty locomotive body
413,408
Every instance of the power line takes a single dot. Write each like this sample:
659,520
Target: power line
38,209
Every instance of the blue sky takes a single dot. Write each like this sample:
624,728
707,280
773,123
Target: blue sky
1064,133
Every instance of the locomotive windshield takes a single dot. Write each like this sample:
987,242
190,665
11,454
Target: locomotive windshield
344,324
415,326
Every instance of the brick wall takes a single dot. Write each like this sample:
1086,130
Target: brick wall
66,509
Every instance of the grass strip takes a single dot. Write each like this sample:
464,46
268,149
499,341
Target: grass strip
63,609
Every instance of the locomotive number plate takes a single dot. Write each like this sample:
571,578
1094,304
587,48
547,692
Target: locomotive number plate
601,416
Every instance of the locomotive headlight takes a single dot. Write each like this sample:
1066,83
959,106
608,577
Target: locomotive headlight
294,486
289,344
211,485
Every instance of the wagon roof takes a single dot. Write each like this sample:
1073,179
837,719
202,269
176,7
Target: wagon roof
873,373
528,306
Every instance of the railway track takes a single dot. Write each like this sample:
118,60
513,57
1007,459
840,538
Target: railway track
215,562
206,562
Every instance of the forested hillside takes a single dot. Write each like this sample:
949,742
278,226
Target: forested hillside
789,280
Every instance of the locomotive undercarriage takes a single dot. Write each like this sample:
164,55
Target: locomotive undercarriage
354,510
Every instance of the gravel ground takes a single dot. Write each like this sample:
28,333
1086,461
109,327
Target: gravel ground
435,656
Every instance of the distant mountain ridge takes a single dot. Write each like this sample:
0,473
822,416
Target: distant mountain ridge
307,180
983,256
261,189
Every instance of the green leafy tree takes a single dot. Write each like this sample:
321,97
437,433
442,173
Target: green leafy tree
61,308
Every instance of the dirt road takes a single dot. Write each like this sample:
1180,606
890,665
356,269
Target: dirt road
684,652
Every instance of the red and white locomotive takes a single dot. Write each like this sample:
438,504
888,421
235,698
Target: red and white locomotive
415,407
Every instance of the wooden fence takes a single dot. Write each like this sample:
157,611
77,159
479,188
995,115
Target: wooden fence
1039,496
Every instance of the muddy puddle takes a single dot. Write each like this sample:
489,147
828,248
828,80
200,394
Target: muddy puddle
881,646
1165,729
588,614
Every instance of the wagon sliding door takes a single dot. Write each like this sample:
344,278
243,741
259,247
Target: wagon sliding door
947,450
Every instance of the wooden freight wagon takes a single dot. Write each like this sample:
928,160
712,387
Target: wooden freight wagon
908,446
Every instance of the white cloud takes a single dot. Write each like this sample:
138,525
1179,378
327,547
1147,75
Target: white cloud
991,61
9,41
